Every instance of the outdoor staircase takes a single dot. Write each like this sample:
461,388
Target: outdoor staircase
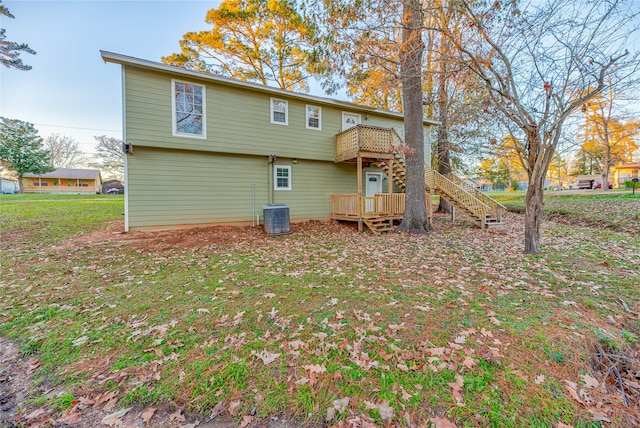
379,225
482,210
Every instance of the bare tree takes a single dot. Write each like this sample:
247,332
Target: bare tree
64,152
541,64
111,156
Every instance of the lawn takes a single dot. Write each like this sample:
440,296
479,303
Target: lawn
327,325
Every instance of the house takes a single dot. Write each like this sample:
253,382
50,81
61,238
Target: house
113,187
625,171
63,180
8,186
205,149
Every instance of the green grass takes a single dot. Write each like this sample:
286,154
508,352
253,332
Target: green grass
613,210
291,324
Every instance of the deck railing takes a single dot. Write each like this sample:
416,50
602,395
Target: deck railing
365,138
61,189
496,207
382,204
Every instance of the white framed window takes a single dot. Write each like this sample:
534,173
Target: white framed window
314,117
279,111
282,177
188,109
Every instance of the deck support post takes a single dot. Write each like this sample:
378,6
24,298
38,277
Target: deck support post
453,212
390,175
360,228
428,195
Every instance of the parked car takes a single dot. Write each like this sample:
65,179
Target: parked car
584,184
113,191
598,185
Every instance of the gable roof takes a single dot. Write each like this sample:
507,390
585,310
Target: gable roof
81,174
158,66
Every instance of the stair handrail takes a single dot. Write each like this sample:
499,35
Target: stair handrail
477,203
461,196
471,189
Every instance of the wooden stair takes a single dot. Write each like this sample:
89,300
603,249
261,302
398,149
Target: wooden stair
482,210
379,225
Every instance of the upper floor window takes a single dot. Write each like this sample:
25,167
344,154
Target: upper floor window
314,117
279,111
188,109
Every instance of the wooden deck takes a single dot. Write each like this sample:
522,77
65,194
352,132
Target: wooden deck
377,212
366,142
354,207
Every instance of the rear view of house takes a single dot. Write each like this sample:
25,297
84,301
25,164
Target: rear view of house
205,149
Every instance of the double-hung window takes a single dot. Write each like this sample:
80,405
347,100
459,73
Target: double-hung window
314,117
279,111
188,110
282,177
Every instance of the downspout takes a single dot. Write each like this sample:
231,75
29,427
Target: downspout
272,160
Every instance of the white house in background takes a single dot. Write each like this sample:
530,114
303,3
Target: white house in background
8,186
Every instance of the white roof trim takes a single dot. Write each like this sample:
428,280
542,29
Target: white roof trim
143,63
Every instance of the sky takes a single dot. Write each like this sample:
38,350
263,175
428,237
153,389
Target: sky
70,90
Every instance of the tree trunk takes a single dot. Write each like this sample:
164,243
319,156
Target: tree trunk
538,164
533,215
20,185
444,160
415,212
605,166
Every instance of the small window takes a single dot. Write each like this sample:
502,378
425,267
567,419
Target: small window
188,110
279,111
282,177
314,117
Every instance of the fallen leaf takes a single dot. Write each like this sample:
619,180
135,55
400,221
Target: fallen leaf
203,311
34,414
442,423
571,387
589,381
115,417
540,379
266,357
469,362
233,407
386,411
71,418
461,339
318,368
80,341
147,414
177,416
246,420
104,397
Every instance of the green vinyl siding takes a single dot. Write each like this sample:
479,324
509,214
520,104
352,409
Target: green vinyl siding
237,120
171,188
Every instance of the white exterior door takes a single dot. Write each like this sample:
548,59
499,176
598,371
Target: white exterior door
349,120
374,186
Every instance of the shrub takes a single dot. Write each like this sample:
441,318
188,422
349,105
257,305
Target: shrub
628,184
